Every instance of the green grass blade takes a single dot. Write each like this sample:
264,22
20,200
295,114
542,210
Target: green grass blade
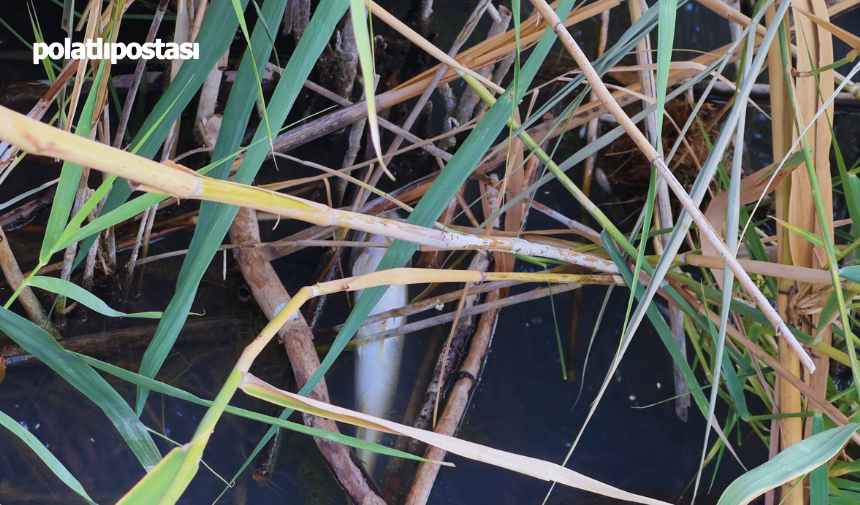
428,210
660,324
238,8
647,212
665,43
29,46
704,178
153,485
70,177
214,38
850,184
166,389
440,194
208,235
788,465
819,494
45,455
68,21
359,19
850,273
215,219
557,335
40,39
722,363
84,297
805,235
40,344
26,194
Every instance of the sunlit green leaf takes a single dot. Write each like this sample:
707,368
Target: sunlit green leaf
794,462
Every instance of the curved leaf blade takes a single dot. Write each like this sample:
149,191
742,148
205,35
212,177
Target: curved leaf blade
84,297
788,465
45,455
70,367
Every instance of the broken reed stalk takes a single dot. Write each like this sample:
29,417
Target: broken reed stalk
461,39
457,401
656,160
15,278
591,129
193,451
298,342
9,153
180,182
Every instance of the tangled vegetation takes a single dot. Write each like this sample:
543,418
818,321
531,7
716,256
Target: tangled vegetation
746,271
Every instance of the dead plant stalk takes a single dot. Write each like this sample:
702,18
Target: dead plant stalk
655,159
180,182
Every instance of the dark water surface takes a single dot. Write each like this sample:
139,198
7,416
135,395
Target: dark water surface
522,404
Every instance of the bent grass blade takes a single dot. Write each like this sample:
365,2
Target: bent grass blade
533,467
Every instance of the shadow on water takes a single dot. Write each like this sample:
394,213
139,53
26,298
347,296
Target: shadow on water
635,441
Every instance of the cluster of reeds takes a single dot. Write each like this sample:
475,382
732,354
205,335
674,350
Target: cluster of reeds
763,292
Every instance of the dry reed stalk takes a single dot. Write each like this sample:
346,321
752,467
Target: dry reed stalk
534,294
793,273
205,331
7,152
115,13
596,109
499,47
655,159
816,51
594,124
138,75
461,329
482,54
839,7
501,69
429,147
788,397
573,225
736,16
458,400
179,182
15,278
298,342
470,99
461,39
206,122
182,34
93,13
433,302
663,208
791,379
513,180
189,455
